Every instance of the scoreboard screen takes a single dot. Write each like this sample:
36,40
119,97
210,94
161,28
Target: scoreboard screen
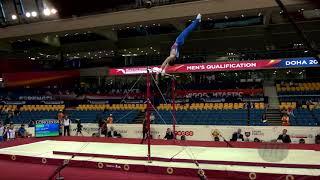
46,128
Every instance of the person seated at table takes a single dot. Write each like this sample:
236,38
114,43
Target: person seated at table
114,134
284,137
183,138
256,140
237,136
317,139
169,135
302,141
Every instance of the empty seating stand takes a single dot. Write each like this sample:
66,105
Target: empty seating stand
102,107
189,114
122,113
302,91
211,117
299,88
209,106
42,107
210,114
120,116
305,117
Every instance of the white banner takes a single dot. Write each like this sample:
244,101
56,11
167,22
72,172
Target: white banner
206,133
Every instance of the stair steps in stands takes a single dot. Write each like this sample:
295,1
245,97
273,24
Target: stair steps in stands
270,91
273,117
139,119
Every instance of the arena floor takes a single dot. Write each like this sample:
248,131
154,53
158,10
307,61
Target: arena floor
42,172
113,156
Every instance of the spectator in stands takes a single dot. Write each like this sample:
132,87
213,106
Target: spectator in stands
6,110
32,123
299,104
249,105
1,110
66,125
16,112
169,135
110,119
291,84
2,129
284,137
22,132
60,116
10,133
309,104
114,134
5,132
237,135
9,116
285,120
290,112
79,127
317,139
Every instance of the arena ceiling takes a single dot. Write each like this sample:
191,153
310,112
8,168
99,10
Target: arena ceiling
171,13
102,32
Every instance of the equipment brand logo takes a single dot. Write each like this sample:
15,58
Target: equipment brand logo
184,133
113,166
121,70
87,130
152,132
257,133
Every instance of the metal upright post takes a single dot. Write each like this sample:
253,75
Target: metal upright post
19,8
2,15
173,90
148,112
40,7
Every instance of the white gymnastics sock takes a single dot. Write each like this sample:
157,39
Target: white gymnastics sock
199,17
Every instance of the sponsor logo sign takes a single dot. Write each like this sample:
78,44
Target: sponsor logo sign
222,66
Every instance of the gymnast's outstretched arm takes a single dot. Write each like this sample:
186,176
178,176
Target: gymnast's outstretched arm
166,62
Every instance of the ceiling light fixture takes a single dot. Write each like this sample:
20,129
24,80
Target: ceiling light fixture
14,17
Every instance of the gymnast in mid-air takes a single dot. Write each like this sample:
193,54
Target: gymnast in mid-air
174,52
